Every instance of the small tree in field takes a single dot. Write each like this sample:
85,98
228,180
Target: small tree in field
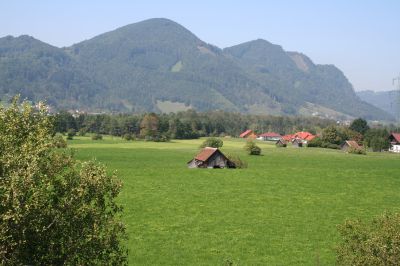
212,142
373,243
53,210
252,148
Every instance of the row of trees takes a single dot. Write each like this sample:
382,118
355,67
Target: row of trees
185,125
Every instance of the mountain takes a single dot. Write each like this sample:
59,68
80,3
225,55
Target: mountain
158,65
388,101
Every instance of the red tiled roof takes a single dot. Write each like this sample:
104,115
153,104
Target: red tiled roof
353,144
302,135
247,132
270,134
288,137
396,136
310,137
205,154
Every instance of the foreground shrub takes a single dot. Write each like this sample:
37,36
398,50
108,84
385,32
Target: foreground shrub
239,163
53,210
59,142
252,148
97,137
356,151
373,243
212,142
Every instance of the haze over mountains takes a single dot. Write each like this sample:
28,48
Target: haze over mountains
158,65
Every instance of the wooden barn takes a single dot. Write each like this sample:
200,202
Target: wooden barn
281,143
210,158
394,139
248,134
349,144
297,143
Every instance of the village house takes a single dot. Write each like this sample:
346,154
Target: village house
270,136
248,134
210,158
304,136
394,139
350,144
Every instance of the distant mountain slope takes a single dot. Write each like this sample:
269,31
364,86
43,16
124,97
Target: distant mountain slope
152,64
388,101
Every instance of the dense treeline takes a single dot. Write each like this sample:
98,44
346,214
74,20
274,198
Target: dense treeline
185,125
191,124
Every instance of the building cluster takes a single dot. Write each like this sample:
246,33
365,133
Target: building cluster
301,139
297,139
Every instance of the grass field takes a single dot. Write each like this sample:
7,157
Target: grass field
282,210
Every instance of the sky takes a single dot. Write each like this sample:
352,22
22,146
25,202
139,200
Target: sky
362,38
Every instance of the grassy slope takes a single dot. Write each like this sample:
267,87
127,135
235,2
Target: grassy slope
282,210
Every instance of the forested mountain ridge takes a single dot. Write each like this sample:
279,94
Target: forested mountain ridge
142,66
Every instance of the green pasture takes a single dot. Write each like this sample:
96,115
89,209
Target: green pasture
282,210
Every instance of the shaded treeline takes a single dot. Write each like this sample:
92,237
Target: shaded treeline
185,125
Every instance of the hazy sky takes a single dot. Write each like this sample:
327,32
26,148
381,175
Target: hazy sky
362,38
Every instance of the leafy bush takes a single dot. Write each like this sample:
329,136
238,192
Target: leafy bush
239,163
53,209
252,148
128,137
373,243
356,151
379,143
59,142
82,132
315,142
212,142
161,138
71,133
97,136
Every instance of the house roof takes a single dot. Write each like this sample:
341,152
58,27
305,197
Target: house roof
310,137
396,136
288,137
303,135
270,135
353,144
247,132
205,153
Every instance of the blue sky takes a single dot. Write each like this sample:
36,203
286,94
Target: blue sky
362,38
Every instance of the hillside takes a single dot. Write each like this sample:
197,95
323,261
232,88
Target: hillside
388,101
158,65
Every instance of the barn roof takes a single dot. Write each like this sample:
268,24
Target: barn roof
247,132
304,135
353,144
288,137
205,153
396,136
270,134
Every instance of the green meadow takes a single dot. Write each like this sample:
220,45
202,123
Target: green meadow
281,210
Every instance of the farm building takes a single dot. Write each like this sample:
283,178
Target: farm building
297,143
304,136
270,136
248,134
210,158
394,139
349,144
281,143
288,138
